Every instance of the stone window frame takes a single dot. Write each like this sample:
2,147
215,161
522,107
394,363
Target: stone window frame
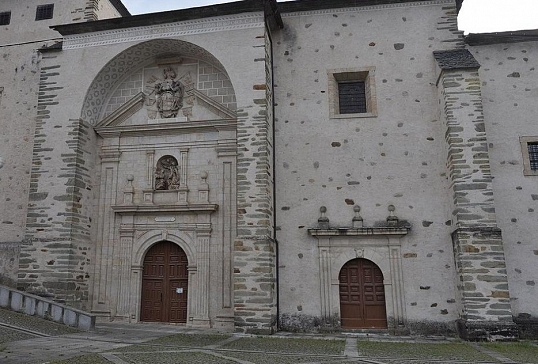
524,141
5,17
44,12
363,74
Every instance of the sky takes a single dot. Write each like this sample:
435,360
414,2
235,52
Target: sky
476,16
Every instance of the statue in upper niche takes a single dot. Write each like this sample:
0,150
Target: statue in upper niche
167,94
167,174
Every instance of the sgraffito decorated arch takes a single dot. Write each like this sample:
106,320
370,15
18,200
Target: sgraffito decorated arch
131,60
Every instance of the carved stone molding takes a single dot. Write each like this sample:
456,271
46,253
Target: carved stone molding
198,26
164,128
144,209
124,112
365,231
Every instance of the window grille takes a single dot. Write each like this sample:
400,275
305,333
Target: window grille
5,18
44,12
533,155
352,97
352,93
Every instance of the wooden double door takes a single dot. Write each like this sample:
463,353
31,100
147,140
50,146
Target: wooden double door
362,296
164,284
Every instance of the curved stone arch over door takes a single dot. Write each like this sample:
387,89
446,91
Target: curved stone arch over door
165,281
362,295
148,239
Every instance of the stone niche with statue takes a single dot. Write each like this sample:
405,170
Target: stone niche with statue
167,169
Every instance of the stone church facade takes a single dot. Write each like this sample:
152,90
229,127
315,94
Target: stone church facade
256,166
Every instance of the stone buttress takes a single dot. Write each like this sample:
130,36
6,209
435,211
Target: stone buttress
485,311
55,253
255,251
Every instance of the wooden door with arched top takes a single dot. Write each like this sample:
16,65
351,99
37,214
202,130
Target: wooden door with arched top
164,284
362,296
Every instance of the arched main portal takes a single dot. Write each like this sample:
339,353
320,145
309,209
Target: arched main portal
362,295
164,284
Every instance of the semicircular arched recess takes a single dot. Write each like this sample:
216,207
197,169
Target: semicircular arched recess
129,61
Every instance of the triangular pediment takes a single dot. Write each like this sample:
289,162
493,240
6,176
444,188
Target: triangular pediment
124,112
215,107
132,114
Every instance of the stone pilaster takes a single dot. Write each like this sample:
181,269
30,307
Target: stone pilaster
201,318
485,312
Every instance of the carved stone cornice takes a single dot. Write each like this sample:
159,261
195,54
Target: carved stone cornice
198,26
165,128
147,209
110,156
366,231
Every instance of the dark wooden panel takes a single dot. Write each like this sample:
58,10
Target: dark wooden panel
165,270
362,295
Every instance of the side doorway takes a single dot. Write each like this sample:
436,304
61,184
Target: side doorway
164,284
362,296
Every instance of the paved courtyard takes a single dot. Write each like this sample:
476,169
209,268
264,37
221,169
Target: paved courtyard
27,340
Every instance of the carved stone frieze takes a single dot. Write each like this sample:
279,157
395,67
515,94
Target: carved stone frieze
198,26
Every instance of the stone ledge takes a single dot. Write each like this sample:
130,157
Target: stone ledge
37,306
125,209
365,231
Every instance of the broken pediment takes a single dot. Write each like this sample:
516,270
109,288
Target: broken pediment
172,90
169,95
133,114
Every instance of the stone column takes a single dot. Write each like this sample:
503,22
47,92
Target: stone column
485,311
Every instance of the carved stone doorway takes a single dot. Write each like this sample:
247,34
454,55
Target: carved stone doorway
362,296
164,284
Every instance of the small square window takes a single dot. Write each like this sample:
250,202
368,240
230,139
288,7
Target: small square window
352,93
529,149
44,12
5,18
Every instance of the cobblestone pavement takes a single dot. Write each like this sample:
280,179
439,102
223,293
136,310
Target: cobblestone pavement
43,342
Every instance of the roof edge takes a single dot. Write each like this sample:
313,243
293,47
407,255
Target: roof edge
478,39
120,8
455,59
232,8
133,21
